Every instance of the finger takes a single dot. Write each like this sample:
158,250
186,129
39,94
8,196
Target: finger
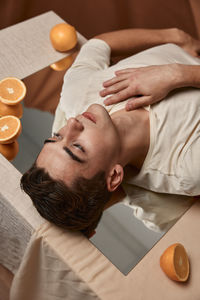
124,71
120,96
138,102
115,88
114,80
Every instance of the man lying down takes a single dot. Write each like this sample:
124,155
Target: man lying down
113,136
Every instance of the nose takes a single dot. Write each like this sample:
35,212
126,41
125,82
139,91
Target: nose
74,123
73,128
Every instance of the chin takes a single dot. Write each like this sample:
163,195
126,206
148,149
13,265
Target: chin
95,106
98,110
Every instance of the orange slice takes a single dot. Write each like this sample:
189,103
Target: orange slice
63,37
174,262
9,151
14,110
10,129
12,90
63,64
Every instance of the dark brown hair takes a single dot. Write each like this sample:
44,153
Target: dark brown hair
78,208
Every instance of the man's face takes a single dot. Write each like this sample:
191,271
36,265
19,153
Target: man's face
85,145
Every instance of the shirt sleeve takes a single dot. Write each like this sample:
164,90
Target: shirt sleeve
93,57
94,54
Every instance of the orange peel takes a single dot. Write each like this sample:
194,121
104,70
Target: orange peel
14,110
9,151
175,263
63,64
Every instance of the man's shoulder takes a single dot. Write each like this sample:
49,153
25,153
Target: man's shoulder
93,55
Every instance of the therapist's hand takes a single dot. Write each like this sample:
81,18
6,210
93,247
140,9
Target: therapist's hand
142,86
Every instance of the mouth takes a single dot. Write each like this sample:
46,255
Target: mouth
89,116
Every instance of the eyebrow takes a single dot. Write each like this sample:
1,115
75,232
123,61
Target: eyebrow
68,151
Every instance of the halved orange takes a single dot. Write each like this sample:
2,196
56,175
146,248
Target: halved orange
63,37
12,90
10,129
14,110
63,64
175,263
9,151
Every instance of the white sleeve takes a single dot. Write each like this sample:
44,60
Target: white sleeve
95,54
93,57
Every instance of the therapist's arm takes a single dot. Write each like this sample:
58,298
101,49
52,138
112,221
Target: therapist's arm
189,76
130,41
148,85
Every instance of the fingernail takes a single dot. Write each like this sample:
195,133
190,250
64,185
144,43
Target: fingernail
106,102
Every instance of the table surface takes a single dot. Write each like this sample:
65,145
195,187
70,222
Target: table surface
31,52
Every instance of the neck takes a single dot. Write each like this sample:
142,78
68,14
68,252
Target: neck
133,129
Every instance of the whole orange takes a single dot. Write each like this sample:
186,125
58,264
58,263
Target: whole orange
63,37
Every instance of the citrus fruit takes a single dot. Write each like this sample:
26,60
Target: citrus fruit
63,37
12,90
63,64
174,262
9,151
10,129
15,110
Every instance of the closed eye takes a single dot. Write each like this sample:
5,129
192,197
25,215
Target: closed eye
56,134
80,147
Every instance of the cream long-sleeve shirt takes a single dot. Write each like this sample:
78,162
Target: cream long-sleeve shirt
170,175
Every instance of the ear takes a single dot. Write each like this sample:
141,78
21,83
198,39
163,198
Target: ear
115,177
